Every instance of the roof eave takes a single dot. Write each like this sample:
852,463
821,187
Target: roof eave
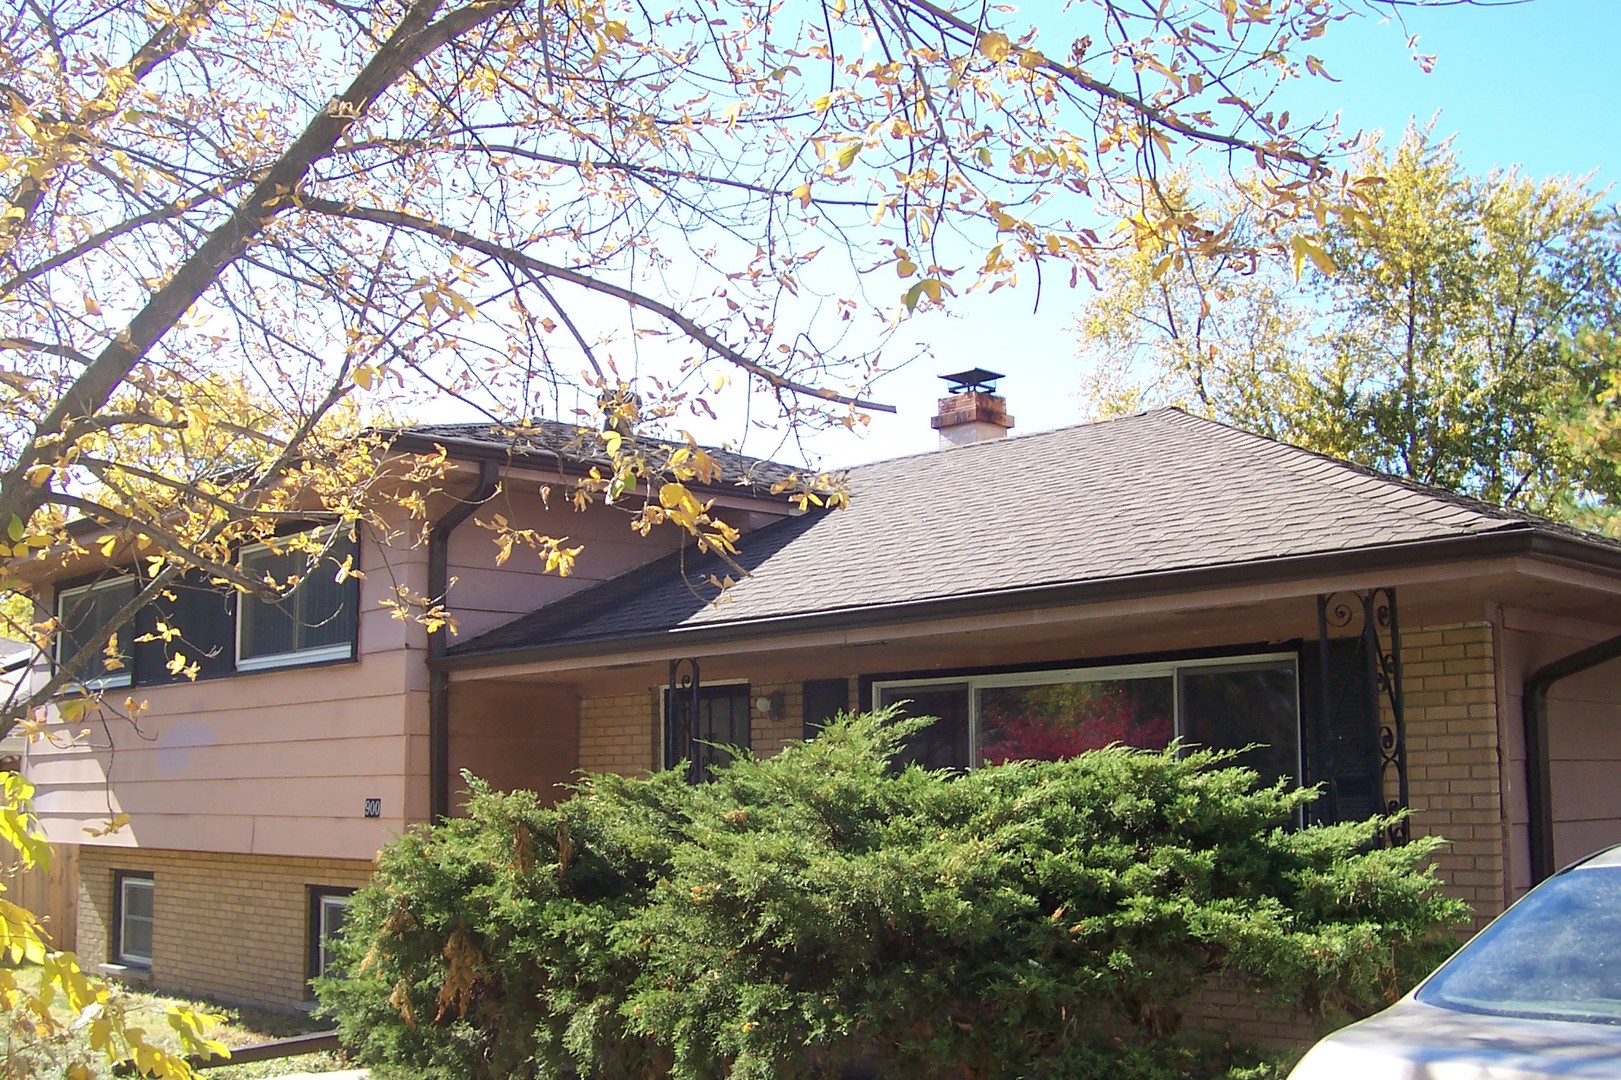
1514,540
567,468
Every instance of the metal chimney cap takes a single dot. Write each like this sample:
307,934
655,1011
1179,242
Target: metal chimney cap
976,380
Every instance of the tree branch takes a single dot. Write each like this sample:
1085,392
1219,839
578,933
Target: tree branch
688,326
414,38
1139,105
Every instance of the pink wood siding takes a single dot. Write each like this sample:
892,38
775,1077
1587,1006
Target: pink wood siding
514,735
276,762
282,762
486,595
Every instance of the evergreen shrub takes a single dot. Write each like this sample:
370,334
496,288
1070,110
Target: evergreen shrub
822,912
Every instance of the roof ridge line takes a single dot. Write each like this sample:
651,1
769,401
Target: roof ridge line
988,444
1340,469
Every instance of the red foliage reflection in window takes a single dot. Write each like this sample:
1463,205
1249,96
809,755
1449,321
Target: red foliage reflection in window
1060,720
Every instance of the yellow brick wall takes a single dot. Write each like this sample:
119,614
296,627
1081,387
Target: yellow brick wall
620,734
1454,788
623,733
1453,770
769,734
230,927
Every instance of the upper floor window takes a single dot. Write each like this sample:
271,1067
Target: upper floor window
311,622
194,628
85,617
1223,703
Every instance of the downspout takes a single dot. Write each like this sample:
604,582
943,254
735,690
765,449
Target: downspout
489,473
1538,764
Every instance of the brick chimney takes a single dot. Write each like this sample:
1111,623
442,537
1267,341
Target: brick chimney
972,411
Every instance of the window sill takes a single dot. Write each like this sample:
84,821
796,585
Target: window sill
129,973
94,686
332,654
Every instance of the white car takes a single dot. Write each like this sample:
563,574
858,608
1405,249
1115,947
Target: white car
1535,994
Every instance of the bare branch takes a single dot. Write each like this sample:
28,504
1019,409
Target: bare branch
517,258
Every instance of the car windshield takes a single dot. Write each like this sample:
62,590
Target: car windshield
1554,955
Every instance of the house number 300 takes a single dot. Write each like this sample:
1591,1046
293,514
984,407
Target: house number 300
374,807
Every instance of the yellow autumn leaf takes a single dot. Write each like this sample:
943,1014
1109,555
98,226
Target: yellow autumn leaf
672,496
1302,249
462,306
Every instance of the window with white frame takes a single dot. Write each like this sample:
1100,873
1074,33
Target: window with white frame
328,908
85,617
135,893
313,618
1224,703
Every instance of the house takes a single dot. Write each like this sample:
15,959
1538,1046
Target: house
16,658
1138,579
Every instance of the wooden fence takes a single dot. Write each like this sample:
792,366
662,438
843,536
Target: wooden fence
51,894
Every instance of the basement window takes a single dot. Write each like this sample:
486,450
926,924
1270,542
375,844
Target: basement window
328,908
133,919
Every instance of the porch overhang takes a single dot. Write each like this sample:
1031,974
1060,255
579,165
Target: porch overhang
1510,566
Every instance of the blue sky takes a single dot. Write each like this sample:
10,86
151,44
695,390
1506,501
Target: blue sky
1529,84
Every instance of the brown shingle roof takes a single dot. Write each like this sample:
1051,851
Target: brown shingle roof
565,445
1148,494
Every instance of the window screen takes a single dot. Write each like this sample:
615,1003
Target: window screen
312,622
135,919
85,616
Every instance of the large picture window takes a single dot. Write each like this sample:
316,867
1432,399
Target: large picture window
1224,703
135,894
312,622
85,618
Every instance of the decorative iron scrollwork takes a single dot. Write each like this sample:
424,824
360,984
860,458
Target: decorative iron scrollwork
1372,617
681,712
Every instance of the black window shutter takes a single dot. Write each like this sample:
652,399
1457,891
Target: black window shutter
1341,747
824,699
202,614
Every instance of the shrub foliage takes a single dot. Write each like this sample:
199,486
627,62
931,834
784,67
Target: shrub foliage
822,909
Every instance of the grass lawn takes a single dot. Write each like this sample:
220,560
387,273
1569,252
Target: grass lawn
242,1026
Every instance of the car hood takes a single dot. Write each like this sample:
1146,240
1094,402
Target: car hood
1414,1041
